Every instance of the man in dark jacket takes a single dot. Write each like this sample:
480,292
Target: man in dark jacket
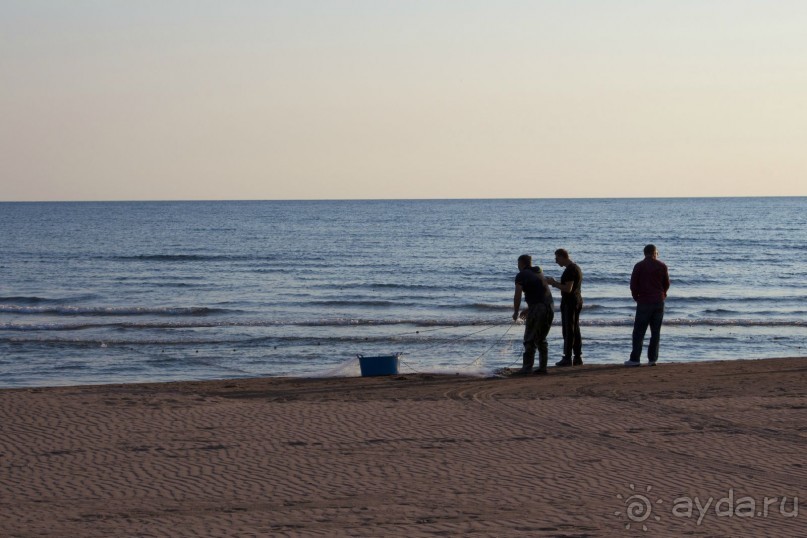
648,285
538,315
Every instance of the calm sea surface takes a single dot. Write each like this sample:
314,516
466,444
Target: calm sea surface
129,292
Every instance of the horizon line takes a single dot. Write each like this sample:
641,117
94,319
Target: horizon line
190,200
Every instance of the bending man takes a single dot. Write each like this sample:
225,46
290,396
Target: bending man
538,315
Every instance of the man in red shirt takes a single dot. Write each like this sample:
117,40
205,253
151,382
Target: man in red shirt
649,283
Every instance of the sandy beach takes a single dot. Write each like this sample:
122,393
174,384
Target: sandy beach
415,455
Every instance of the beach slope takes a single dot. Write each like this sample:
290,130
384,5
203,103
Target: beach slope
590,451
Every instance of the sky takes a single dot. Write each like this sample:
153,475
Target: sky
304,99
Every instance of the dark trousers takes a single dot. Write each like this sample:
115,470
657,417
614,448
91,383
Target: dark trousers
647,314
570,320
536,329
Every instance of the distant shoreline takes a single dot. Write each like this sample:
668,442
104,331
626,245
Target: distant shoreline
403,373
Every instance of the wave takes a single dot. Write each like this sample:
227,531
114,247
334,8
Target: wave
187,258
325,343
373,303
588,306
267,341
109,311
683,300
34,300
108,342
499,307
483,307
24,300
415,325
705,322
720,311
378,285
256,259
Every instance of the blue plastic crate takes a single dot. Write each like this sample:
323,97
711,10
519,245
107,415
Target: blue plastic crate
379,365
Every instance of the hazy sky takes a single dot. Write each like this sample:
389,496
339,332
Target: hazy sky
263,99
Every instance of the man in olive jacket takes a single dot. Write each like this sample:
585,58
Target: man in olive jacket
538,315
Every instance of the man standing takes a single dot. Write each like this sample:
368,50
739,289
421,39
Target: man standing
571,303
538,314
649,283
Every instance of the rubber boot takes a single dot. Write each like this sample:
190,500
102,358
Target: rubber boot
527,363
541,366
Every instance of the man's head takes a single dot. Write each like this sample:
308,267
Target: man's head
524,261
562,257
650,251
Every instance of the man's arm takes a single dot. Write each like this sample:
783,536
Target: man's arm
634,284
565,288
666,281
544,281
516,301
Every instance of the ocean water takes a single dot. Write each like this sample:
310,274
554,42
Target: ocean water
157,291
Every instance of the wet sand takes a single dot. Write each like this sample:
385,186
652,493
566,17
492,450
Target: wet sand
414,455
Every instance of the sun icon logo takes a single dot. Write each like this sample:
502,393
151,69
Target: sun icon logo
638,508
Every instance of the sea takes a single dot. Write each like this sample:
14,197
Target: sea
124,292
